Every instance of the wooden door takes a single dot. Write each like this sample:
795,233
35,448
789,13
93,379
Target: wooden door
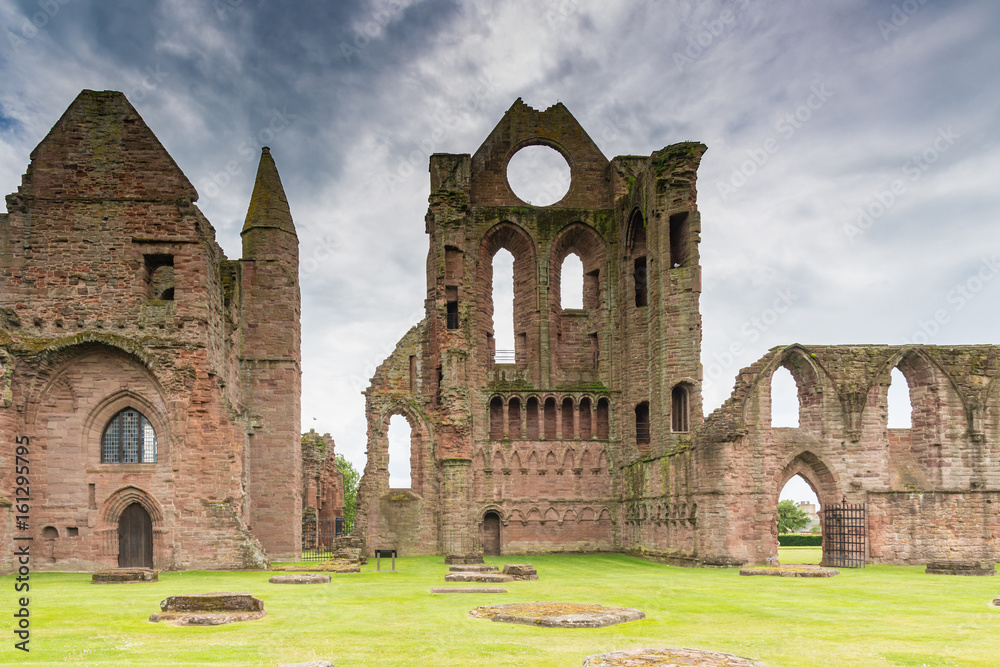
491,534
135,537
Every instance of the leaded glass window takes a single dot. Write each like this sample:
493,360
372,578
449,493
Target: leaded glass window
128,438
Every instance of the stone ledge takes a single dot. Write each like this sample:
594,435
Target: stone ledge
474,568
125,575
558,614
481,577
206,618
521,572
464,559
786,571
337,566
209,609
966,568
668,656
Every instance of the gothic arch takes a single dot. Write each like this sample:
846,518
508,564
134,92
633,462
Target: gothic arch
113,506
111,511
519,243
67,355
421,443
824,482
583,240
495,508
812,381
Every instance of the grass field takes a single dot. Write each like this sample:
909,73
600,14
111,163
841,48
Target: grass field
882,615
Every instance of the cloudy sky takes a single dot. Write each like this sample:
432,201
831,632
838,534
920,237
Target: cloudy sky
850,192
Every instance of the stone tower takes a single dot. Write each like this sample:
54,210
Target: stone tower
271,362
523,452
156,382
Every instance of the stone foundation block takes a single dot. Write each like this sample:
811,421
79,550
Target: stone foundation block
484,577
463,559
300,579
123,575
521,572
967,568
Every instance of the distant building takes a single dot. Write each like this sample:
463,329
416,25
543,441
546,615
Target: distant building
809,509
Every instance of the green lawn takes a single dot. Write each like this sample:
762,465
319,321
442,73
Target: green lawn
882,615
799,555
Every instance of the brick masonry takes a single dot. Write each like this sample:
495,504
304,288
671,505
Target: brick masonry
114,294
554,444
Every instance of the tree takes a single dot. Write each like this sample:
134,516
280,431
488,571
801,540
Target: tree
351,479
790,517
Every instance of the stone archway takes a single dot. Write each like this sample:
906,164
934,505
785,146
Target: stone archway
491,534
135,537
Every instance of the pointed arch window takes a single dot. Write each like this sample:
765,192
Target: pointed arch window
642,423
128,438
679,409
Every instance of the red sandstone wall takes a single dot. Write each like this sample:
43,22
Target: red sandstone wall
88,336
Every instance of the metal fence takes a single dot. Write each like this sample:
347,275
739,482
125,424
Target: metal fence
320,540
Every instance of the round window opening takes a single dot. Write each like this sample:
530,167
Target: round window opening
538,175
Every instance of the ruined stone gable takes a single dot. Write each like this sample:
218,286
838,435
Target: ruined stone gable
588,435
132,358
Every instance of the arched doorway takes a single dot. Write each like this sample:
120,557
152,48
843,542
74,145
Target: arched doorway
799,527
135,537
491,534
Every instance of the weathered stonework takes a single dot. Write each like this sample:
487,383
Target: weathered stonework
535,447
322,488
114,294
591,437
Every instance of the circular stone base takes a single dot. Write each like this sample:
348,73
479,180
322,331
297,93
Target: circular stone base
558,614
300,579
667,657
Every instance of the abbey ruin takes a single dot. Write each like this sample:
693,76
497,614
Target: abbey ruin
592,437
158,382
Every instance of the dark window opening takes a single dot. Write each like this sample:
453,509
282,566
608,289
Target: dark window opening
679,409
642,424
50,533
72,531
440,381
160,277
451,294
128,438
678,239
641,288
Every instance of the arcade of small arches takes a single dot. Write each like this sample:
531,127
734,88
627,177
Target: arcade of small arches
551,515
525,460
551,418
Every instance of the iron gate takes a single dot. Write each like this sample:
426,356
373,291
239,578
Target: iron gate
319,541
844,535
